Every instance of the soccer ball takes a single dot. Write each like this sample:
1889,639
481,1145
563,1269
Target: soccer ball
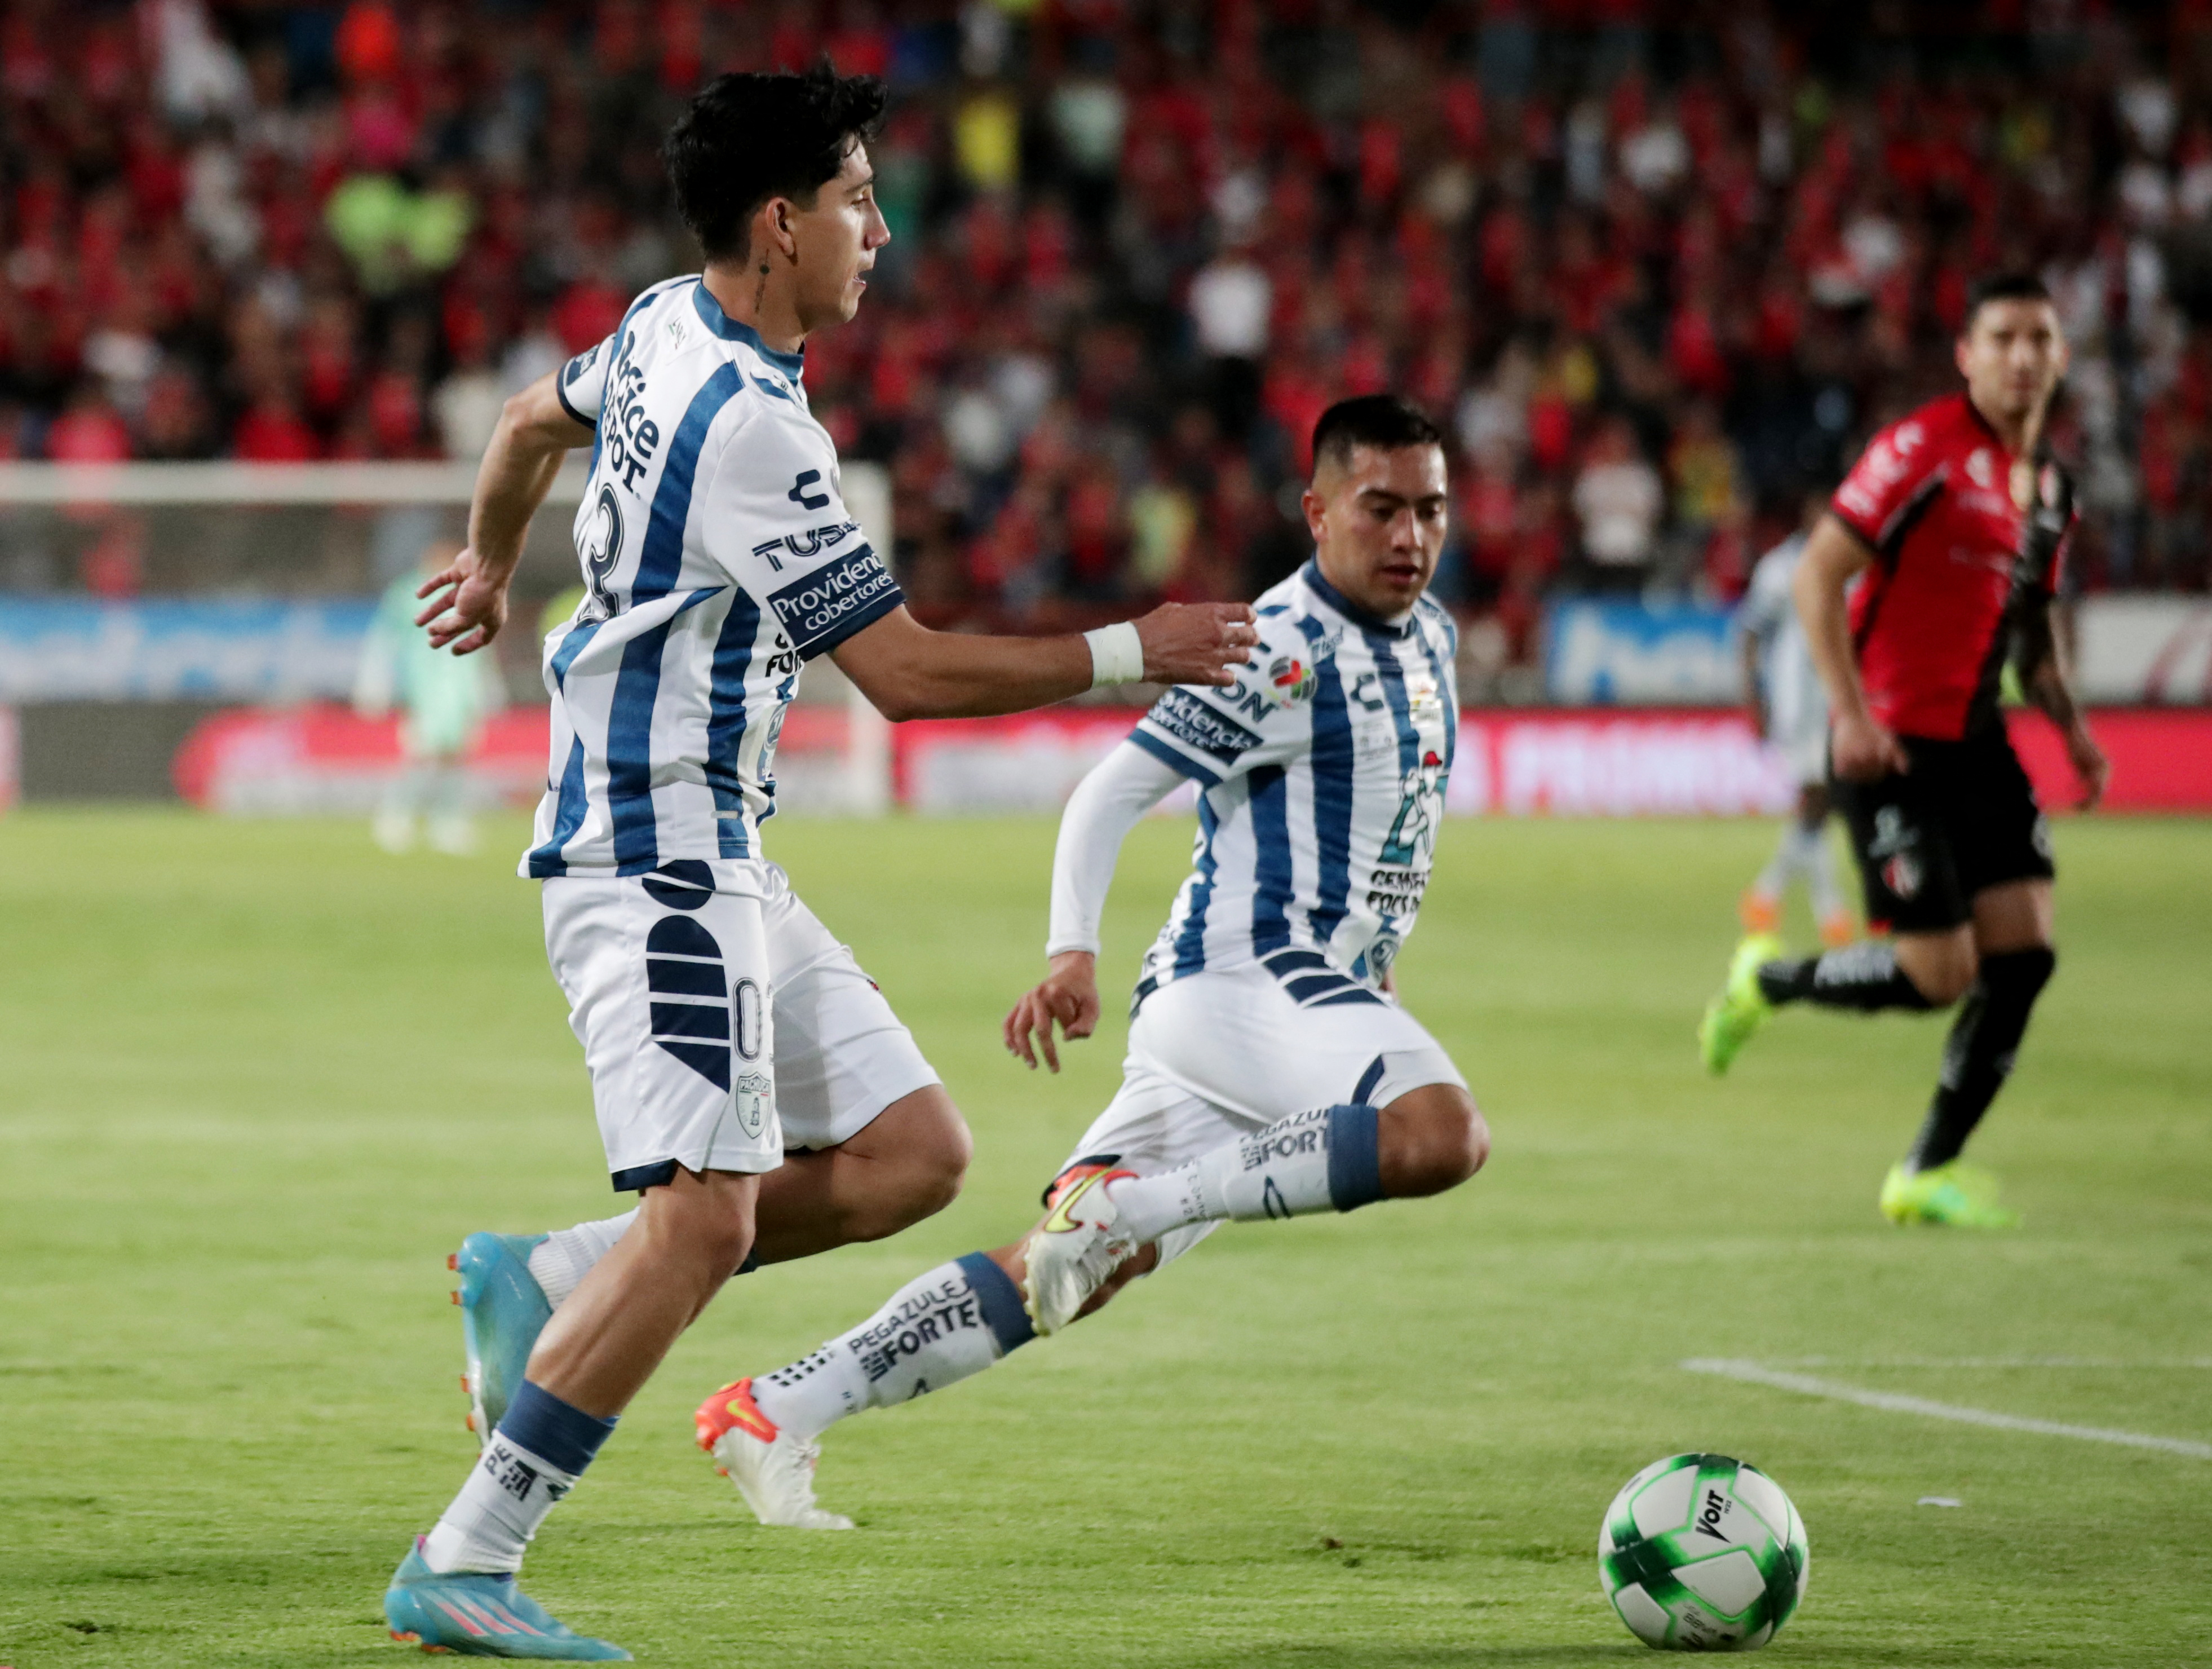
1700,1553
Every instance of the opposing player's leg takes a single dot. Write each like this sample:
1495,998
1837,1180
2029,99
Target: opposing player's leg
682,1066
1901,830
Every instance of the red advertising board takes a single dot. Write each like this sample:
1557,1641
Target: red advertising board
1573,761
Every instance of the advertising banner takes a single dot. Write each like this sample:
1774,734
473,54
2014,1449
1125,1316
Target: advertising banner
2144,650
69,648
1631,654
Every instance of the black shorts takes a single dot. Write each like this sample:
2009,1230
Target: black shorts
1963,819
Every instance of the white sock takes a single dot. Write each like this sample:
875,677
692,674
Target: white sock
1820,869
937,1329
1322,1161
1774,880
509,1492
562,1260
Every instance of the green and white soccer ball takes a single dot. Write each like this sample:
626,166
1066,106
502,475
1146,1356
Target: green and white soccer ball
1700,1553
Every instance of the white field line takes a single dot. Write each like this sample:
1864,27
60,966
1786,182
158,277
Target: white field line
2114,1363
1754,1374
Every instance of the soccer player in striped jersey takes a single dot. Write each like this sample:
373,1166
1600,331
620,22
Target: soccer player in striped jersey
1271,1071
720,1019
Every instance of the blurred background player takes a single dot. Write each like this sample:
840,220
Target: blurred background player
1271,1072
1958,527
443,701
1789,711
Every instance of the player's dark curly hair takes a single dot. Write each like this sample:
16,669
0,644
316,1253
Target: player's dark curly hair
745,138
1383,421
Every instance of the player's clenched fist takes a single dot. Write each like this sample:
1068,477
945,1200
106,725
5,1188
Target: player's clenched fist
1069,995
1196,642
1864,750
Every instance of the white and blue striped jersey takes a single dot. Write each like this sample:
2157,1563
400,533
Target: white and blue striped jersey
718,557
1322,788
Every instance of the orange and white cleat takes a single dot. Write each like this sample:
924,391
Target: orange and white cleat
774,1471
1839,929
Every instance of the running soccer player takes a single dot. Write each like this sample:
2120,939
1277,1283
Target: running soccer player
1789,712
719,1019
1955,530
1270,1072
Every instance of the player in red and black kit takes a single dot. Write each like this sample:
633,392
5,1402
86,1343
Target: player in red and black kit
1955,529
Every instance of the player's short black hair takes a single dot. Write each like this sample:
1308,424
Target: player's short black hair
2018,285
1384,421
746,137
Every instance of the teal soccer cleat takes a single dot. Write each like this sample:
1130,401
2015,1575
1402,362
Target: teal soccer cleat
483,1616
503,1310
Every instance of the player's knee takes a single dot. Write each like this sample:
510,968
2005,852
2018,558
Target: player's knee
932,1171
1942,971
1433,1144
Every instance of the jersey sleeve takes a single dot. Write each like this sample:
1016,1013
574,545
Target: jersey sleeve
775,522
1893,476
1213,733
581,384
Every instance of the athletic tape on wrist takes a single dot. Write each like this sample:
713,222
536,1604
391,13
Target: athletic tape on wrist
1117,654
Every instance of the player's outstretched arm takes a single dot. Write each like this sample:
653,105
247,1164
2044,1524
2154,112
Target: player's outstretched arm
1105,805
909,672
1864,749
468,597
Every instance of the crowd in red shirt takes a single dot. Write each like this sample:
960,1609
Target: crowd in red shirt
1659,269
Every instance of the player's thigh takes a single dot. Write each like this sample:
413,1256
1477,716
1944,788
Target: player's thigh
1903,840
669,1002
1242,1039
2005,851
843,1056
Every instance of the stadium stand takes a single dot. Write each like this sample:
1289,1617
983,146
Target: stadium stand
1656,265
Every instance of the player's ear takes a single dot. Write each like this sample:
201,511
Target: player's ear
1317,510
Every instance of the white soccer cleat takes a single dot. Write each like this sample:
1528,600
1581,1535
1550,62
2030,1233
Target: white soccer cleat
774,1471
1072,1251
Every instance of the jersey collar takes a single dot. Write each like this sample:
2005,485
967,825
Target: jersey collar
1351,611
731,330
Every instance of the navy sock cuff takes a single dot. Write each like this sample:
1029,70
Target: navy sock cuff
1355,1157
557,1433
1001,1300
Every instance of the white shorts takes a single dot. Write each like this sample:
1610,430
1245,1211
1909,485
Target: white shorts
720,1021
1218,1055
1803,742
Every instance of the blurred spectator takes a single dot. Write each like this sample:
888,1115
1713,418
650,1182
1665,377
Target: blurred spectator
1655,266
1618,499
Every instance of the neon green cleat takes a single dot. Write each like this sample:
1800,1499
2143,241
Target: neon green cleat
1741,1008
1954,1194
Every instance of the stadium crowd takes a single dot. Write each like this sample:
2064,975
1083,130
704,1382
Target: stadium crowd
1657,267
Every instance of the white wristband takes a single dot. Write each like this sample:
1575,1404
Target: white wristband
1117,654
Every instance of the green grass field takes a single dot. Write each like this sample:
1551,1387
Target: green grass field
259,1079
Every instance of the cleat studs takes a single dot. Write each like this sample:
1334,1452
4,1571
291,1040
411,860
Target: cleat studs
470,1422
452,1260
456,1297
465,1384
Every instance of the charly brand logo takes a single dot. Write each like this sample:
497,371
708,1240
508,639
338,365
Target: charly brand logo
803,499
753,1093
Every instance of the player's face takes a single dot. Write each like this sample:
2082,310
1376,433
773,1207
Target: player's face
2012,357
1378,524
837,241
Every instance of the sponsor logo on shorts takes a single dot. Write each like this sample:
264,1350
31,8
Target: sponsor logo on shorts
813,608
1200,726
1901,874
